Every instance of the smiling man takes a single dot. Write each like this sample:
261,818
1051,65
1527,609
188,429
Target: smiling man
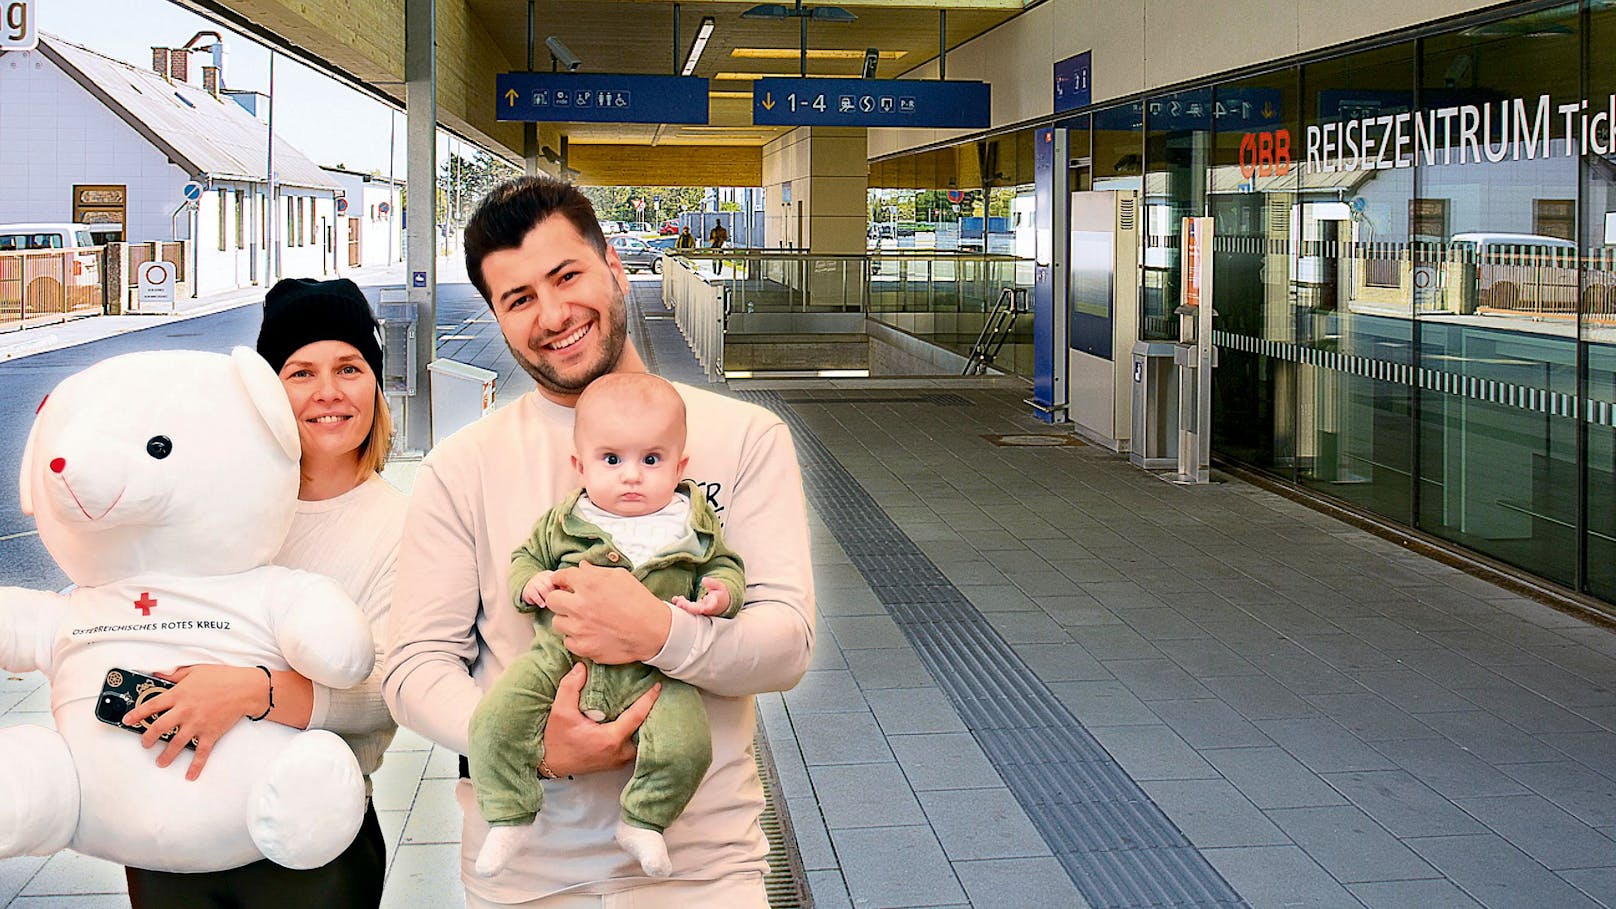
538,256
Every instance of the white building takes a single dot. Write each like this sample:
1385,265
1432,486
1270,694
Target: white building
84,137
370,229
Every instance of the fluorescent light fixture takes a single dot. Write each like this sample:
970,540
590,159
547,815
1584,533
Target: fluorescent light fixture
749,77
844,373
746,95
737,374
781,11
792,53
700,44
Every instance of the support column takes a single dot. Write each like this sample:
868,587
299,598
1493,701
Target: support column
421,217
815,183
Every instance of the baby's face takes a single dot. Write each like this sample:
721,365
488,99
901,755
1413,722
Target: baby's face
630,462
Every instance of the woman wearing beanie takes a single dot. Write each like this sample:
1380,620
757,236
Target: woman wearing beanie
322,340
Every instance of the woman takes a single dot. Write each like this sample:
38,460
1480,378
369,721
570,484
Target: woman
321,338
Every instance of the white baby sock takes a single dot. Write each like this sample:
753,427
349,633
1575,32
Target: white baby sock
646,845
498,847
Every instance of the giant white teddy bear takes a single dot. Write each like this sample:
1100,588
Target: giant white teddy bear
163,483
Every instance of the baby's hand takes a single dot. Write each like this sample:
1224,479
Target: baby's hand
714,602
537,588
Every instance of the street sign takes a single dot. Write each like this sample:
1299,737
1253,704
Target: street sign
384,208
1072,82
600,98
871,102
639,205
955,195
192,191
154,286
342,205
19,28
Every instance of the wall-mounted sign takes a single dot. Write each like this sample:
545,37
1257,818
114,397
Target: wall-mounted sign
600,98
19,29
1072,82
871,102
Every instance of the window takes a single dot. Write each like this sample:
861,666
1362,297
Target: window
291,224
1555,218
241,220
314,236
224,218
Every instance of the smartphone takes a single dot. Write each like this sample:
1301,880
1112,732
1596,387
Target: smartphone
122,691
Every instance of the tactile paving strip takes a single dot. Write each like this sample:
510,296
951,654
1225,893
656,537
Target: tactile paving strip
1118,847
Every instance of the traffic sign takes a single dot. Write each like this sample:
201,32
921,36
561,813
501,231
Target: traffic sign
342,205
383,208
870,102
19,27
955,195
600,98
192,191
154,283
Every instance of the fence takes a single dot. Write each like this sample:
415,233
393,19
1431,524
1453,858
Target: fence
50,286
172,252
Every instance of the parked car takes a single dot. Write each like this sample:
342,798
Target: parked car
662,244
636,254
52,283
669,228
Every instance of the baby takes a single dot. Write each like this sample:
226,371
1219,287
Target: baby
633,512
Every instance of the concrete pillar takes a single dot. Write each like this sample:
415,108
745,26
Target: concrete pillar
420,248
814,184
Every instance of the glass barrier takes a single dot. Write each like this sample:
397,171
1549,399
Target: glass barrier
942,298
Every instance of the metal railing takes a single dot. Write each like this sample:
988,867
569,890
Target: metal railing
941,298
50,286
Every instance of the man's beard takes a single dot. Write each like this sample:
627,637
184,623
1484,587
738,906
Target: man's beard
611,349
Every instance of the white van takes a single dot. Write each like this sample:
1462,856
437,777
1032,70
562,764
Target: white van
78,267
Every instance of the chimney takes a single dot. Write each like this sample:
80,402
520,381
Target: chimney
179,64
210,80
159,60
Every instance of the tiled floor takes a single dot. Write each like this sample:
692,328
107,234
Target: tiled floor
1331,720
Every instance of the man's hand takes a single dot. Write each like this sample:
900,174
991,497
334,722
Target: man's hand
573,743
204,704
607,615
715,601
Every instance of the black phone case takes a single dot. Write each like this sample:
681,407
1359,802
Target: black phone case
122,691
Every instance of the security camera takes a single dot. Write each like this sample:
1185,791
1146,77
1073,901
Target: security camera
562,54
872,57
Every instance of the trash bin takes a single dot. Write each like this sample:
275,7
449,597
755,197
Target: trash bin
397,317
1154,445
461,394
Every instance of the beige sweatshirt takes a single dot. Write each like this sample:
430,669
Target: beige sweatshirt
453,631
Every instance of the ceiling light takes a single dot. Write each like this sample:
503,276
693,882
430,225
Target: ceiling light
781,11
748,77
700,44
746,95
791,53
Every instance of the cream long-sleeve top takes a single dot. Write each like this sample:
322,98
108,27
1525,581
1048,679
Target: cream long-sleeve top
454,630
354,539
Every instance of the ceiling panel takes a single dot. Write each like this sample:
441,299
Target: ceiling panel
636,36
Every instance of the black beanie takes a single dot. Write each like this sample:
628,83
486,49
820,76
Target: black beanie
301,311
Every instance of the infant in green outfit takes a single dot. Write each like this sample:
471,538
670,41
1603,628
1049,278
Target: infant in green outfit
633,512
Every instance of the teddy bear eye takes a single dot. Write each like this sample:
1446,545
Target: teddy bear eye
159,447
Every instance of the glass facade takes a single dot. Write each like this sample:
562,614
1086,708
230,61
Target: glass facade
1413,275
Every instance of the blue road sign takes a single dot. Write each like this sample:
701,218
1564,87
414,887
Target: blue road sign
1072,82
600,98
192,191
870,102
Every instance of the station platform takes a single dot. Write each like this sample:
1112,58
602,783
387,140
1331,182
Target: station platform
1045,678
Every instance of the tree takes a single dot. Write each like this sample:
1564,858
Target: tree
616,203
463,182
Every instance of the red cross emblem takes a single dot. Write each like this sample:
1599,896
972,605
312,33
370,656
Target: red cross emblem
145,604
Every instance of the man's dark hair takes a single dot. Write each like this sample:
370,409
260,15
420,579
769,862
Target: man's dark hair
504,217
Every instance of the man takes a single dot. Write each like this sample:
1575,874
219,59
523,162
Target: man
685,241
716,238
536,253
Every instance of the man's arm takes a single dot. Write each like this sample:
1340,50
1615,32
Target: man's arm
768,645
432,640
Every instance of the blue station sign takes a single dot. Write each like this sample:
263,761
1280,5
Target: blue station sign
1072,82
600,98
871,102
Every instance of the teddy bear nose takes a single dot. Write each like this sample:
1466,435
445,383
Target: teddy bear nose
57,465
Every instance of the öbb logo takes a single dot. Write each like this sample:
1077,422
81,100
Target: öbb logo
1265,154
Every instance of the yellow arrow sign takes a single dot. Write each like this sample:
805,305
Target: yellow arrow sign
768,101
510,97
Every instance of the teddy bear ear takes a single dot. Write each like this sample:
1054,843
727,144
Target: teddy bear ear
25,476
265,391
